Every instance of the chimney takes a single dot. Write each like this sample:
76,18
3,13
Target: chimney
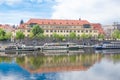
80,19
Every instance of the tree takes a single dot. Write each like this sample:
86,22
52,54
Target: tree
2,34
84,36
37,30
58,36
55,35
72,35
61,37
20,35
21,22
8,35
40,36
116,34
101,36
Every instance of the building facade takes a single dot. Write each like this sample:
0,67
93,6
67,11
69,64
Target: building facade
63,27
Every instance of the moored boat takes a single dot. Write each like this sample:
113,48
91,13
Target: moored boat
19,48
108,45
61,46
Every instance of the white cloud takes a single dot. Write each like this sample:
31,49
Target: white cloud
14,17
10,2
11,77
103,11
105,70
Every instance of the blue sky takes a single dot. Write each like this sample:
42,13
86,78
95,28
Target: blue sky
98,11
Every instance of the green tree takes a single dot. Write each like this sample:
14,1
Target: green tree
20,35
58,36
61,37
37,30
21,22
72,35
101,36
2,34
83,36
116,34
40,36
55,35
8,35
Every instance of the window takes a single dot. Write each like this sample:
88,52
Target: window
54,22
28,30
32,24
86,26
86,31
42,22
95,31
82,31
51,30
90,30
46,30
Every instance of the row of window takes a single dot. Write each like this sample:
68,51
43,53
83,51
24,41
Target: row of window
78,31
66,27
68,35
61,27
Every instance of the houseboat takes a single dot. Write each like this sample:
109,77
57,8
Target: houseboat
61,46
19,48
108,45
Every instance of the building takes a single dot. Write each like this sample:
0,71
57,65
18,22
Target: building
108,29
9,29
63,27
116,25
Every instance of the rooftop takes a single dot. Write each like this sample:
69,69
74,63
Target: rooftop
57,22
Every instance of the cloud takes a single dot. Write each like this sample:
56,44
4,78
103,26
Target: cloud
11,11
105,70
13,17
10,2
103,11
10,77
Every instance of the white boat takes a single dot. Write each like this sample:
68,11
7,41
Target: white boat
108,45
61,46
19,48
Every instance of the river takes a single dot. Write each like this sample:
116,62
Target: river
60,65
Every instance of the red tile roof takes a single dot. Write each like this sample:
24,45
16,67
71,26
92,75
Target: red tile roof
57,22
7,27
22,26
98,27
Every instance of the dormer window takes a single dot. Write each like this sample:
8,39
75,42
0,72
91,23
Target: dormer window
54,22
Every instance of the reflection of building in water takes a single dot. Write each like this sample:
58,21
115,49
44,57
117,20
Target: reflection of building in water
41,64
5,59
115,58
108,51
63,52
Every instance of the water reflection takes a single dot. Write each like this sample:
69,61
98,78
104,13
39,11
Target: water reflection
108,51
38,66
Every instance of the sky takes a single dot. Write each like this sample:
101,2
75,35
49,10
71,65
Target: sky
95,11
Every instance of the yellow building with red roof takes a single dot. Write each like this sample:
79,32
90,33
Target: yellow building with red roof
63,27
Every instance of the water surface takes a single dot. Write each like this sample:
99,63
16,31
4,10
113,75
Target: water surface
75,65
